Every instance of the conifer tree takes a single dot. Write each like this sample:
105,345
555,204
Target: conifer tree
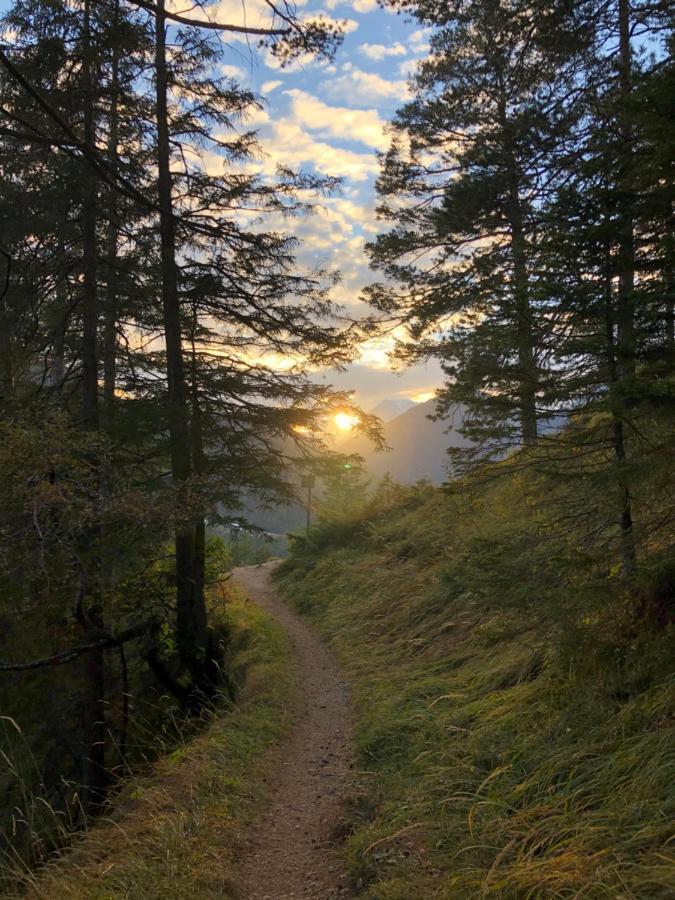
471,162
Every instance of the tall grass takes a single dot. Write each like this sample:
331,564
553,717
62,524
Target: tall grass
516,729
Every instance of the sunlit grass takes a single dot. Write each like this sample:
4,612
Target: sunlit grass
496,761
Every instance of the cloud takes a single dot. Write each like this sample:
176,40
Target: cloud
320,16
298,64
364,87
286,142
379,51
407,67
364,125
419,40
269,86
374,385
254,13
233,72
360,6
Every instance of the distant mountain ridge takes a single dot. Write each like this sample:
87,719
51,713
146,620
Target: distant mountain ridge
418,450
391,408
418,445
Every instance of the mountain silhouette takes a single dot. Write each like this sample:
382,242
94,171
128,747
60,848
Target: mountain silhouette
418,445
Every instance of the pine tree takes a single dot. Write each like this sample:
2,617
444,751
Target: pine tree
472,160
605,243
105,263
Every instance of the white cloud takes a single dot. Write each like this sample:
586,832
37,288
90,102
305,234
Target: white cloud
407,67
286,142
269,86
257,117
360,6
304,61
254,13
8,35
364,125
233,72
419,40
379,51
320,16
364,87
310,59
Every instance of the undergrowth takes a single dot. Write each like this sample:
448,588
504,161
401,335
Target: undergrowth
515,726
174,831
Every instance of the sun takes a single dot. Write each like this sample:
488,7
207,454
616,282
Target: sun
345,421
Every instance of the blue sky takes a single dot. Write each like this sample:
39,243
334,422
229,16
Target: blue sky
330,118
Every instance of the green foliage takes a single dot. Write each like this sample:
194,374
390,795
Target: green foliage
344,493
514,698
136,398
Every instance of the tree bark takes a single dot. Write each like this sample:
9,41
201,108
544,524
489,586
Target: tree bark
6,369
112,239
60,326
527,370
625,301
94,780
628,552
625,313
191,619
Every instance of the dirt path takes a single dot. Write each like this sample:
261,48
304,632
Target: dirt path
290,851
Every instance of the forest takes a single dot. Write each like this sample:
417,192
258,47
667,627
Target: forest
173,356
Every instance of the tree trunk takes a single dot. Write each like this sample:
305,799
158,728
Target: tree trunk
6,369
625,313
94,775
618,442
669,274
60,326
112,238
527,370
191,621
199,459
625,300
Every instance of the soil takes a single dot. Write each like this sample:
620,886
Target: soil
291,851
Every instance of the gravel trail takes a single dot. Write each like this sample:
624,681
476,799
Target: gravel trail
290,852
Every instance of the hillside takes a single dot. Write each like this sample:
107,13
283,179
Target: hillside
418,446
514,702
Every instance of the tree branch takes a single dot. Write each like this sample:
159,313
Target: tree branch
67,655
215,26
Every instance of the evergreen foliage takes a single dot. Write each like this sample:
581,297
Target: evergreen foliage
148,288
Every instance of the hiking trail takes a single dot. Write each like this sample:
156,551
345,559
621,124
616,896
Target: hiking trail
291,850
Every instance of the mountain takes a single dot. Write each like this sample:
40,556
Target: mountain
391,408
418,446
418,450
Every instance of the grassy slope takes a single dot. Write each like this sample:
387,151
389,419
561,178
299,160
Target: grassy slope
493,765
174,833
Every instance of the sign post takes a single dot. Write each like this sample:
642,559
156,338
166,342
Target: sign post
307,481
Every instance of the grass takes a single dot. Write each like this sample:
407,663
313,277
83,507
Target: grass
174,832
514,741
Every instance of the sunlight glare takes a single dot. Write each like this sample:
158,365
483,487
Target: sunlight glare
345,421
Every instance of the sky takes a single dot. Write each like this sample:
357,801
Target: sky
330,118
